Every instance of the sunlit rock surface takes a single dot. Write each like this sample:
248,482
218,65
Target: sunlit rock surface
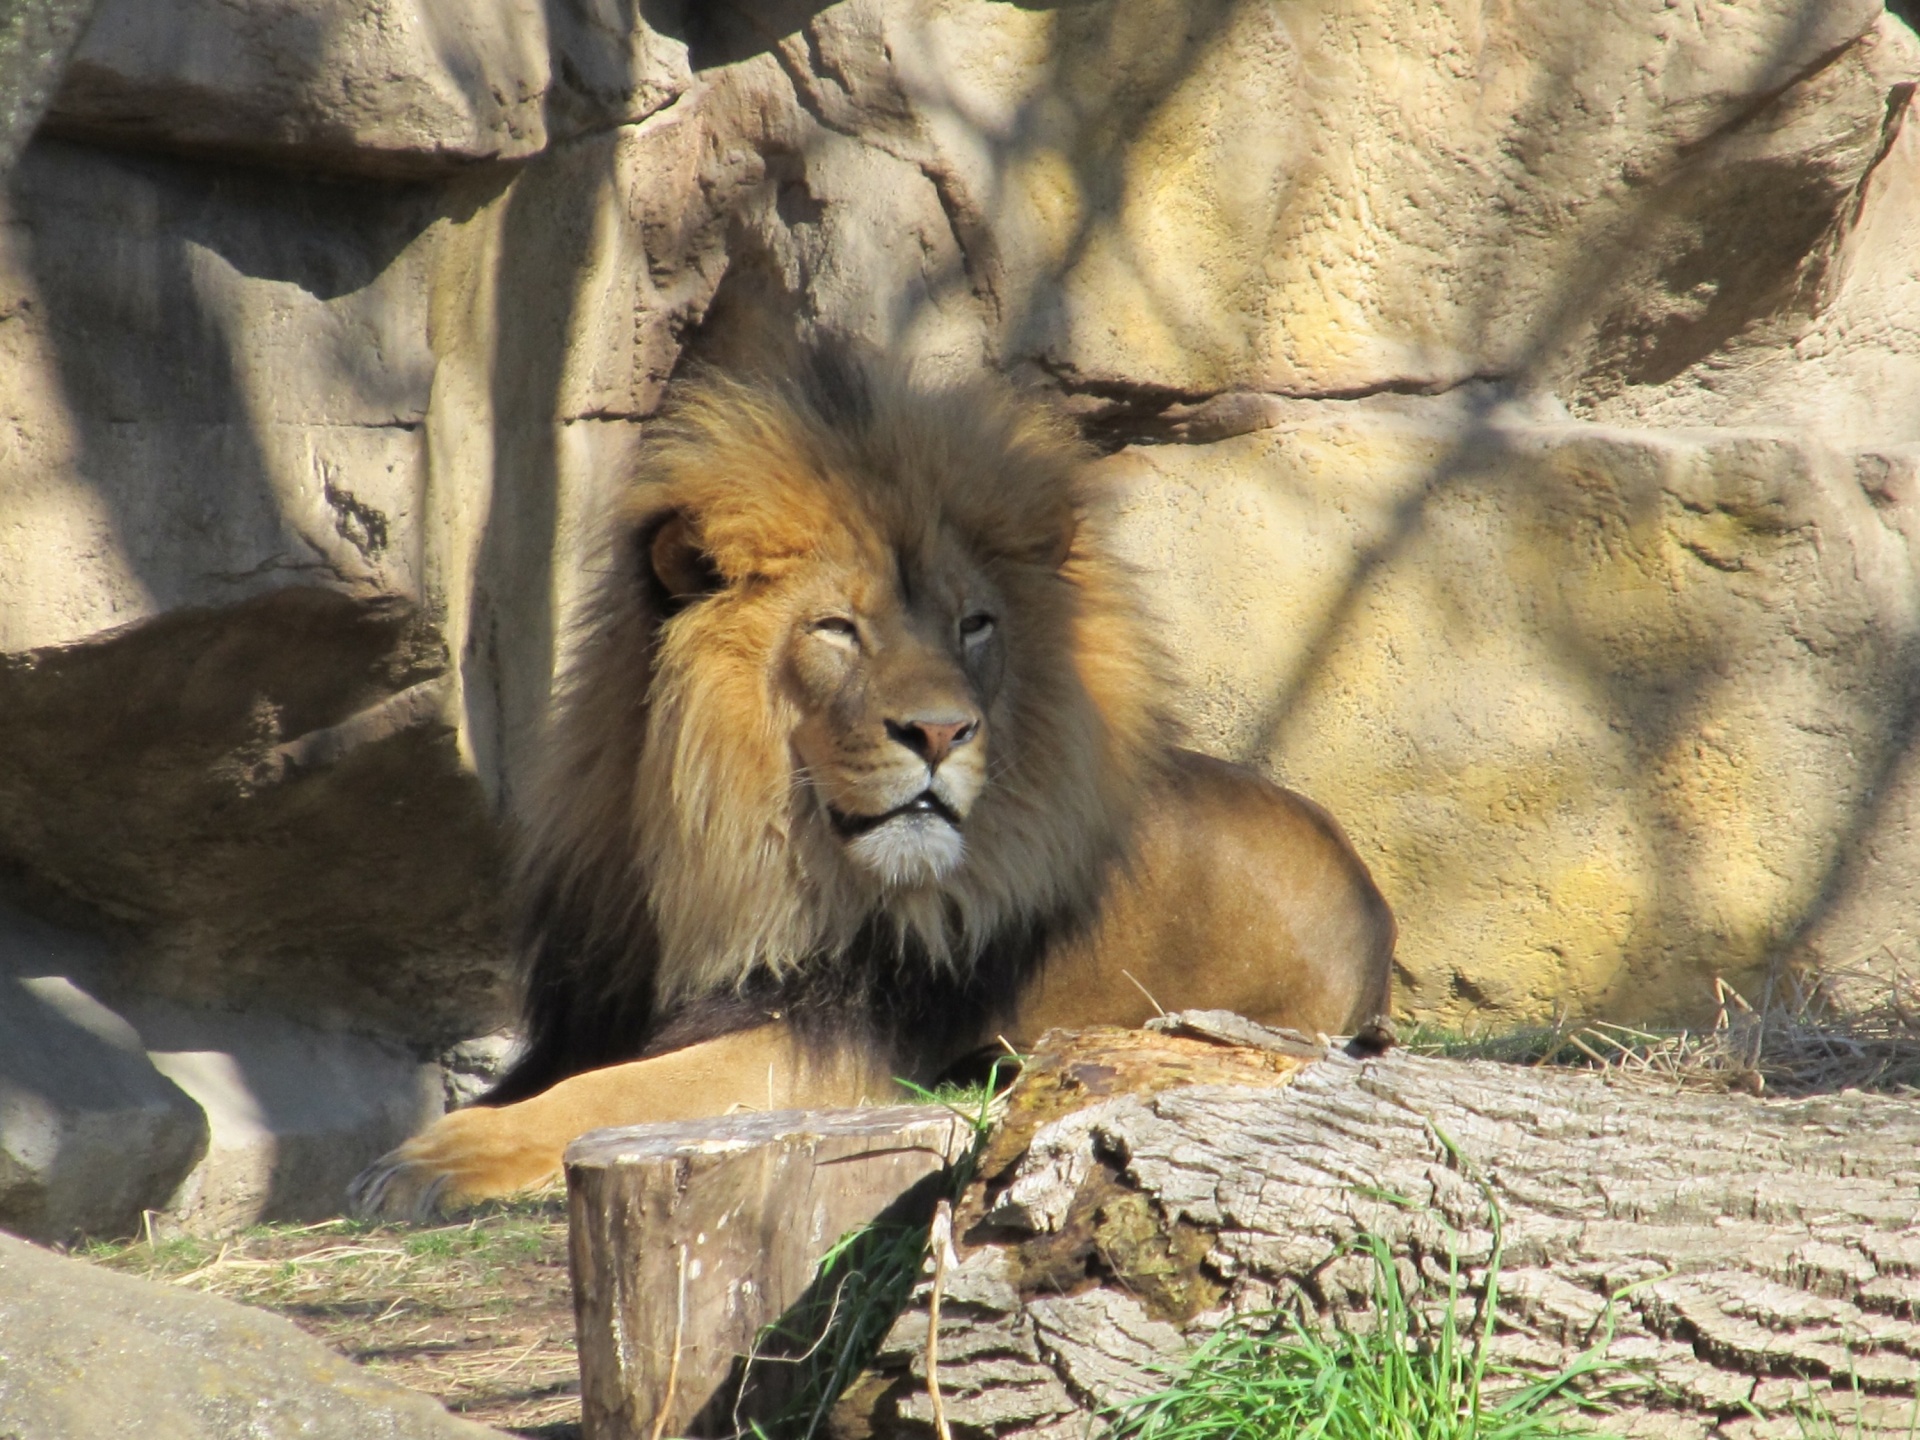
1517,415
89,1352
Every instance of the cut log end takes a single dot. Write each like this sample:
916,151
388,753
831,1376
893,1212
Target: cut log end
689,1239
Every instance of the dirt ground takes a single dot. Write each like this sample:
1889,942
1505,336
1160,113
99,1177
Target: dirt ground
477,1311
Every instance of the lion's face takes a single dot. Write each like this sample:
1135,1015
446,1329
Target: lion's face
893,676
855,660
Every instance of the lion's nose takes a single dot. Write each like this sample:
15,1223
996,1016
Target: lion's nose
933,740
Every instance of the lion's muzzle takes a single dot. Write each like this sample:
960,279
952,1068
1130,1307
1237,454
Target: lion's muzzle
917,843
926,803
933,740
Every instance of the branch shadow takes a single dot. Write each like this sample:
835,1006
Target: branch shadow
804,1359
1685,192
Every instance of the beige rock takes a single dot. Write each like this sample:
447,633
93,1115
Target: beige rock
216,576
91,1134
211,388
1842,356
1184,215
85,1353
1864,932
292,1113
397,87
283,561
1329,199
114,1116
853,229
245,797
1607,710
558,311
36,41
298,478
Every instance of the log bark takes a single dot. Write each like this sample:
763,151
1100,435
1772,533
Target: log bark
688,1239
1738,1256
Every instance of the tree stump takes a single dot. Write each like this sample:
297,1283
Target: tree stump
688,1239
1739,1256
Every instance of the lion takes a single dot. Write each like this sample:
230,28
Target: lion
865,761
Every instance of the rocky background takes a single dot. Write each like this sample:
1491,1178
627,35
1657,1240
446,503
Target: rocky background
1517,409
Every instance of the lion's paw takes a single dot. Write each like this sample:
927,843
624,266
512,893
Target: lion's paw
395,1188
465,1157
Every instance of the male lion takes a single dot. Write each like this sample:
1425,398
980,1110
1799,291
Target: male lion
864,762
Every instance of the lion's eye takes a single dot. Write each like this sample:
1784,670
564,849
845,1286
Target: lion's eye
837,627
976,627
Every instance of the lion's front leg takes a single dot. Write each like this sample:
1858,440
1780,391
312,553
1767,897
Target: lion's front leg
485,1152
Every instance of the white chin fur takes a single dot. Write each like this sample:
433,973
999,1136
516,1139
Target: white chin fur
912,850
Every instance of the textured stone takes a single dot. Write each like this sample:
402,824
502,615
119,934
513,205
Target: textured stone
470,1068
210,1120
396,87
292,1113
214,386
85,1352
272,638
1597,754
36,41
1606,709
193,781
91,1134
1841,354
1328,199
559,307
216,576
298,476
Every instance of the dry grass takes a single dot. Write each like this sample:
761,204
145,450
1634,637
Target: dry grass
477,1312
1803,1045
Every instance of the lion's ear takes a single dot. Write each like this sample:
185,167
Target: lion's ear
683,570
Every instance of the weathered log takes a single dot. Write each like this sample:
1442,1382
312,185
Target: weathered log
688,1239
1738,1256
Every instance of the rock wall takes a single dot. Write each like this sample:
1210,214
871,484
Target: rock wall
1518,412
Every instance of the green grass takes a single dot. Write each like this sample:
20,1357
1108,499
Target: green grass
860,1287
1275,1377
1518,1045
973,1103
1401,1376
1816,1420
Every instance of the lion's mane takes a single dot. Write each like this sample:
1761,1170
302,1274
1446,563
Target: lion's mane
677,874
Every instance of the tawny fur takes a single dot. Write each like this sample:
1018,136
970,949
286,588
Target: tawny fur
710,921
672,828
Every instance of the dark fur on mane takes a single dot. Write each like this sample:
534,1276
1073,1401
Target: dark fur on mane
592,936
891,999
